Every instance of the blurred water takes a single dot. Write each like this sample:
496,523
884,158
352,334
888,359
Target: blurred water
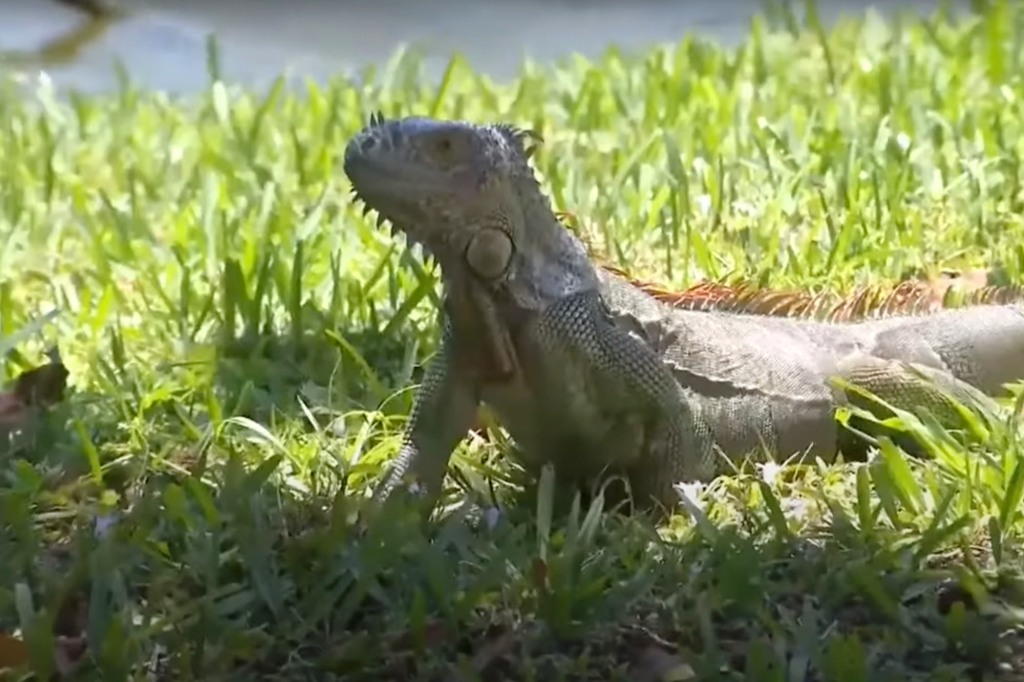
163,43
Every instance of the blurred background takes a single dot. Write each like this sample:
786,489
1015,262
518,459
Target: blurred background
162,44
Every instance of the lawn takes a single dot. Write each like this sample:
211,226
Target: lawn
242,343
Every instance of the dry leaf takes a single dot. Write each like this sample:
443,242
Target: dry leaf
13,652
13,412
658,665
43,386
434,634
96,9
68,652
498,646
539,572
35,389
495,648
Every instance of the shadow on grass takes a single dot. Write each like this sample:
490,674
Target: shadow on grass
267,373
235,574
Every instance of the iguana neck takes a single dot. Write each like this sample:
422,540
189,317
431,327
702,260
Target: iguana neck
549,262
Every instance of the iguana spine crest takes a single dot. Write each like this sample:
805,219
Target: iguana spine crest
904,299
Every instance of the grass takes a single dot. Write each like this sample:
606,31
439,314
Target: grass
241,343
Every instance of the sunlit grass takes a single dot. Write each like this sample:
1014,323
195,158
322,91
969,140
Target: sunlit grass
242,343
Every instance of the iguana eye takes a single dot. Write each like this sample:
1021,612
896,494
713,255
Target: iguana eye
444,149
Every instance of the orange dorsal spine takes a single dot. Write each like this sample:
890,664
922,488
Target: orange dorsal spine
910,297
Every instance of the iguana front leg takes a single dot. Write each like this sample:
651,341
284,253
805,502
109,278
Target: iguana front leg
442,413
475,347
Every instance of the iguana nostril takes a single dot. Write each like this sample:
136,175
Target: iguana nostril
368,144
383,138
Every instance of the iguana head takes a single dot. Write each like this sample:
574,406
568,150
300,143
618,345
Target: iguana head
466,192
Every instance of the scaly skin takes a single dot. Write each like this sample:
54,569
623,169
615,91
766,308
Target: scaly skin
591,372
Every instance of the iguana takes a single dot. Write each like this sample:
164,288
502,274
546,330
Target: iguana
596,374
